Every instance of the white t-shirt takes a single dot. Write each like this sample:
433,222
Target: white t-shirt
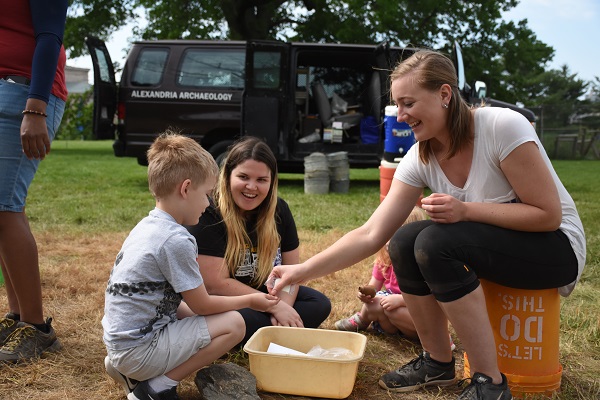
498,131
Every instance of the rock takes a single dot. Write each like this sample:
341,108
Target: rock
368,290
226,382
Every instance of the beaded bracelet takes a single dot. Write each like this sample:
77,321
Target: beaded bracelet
34,112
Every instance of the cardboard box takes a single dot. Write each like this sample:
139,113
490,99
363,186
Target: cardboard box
304,375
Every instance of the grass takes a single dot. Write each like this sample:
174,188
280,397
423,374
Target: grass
84,201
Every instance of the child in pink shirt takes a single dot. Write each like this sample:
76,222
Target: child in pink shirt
386,312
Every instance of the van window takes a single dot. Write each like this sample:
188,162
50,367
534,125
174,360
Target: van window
267,66
348,83
149,67
105,75
210,68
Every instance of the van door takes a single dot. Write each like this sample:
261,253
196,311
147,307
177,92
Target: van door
105,89
266,95
380,81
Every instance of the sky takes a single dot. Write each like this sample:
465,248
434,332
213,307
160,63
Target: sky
571,27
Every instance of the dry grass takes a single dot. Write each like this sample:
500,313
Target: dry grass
74,274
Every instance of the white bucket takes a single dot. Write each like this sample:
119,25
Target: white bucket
316,174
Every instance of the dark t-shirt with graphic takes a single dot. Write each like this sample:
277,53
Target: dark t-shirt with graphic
211,237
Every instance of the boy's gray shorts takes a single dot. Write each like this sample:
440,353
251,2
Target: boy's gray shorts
176,343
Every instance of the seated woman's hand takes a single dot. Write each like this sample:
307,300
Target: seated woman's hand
263,302
285,315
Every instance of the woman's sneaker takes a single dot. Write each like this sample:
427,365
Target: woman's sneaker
126,383
482,388
353,324
143,391
418,373
27,342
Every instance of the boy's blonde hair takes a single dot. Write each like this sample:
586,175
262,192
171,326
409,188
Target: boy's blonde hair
382,258
173,158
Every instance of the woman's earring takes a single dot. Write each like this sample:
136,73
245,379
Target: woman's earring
445,105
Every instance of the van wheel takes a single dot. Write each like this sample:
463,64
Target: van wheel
219,151
143,161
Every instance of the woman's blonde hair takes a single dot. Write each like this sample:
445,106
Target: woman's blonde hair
173,158
382,257
430,70
249,148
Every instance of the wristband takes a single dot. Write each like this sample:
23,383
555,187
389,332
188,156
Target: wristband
43,114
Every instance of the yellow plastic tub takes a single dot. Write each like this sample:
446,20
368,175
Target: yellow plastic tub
304,375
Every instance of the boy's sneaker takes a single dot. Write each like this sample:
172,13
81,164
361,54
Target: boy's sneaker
27,342
482,388
143,391
127,383
8,325
420,372
353,324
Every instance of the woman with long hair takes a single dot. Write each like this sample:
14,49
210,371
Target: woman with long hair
246,232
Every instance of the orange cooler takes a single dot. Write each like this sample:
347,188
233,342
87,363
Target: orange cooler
526,326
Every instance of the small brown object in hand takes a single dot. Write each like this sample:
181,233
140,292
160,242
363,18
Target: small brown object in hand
367,290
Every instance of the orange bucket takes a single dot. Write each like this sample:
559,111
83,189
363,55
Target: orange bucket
386,174
526,326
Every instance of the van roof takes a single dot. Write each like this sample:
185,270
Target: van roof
188,42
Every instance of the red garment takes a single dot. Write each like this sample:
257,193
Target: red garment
17,44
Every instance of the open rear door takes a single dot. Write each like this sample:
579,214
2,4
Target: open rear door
265,99
105,89
459,64
380,80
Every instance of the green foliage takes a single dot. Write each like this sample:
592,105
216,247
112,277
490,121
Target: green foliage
95,17
78,117
505,55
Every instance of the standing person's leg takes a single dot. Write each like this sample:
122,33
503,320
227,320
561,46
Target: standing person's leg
19,253
18,249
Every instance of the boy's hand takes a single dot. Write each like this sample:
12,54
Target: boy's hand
262,301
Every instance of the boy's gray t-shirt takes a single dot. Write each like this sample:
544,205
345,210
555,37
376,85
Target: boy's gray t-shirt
156,263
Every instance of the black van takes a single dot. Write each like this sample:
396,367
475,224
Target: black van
300,97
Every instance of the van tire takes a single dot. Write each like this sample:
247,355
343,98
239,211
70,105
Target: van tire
143,161
219,151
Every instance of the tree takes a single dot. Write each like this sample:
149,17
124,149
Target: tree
505,55
559,92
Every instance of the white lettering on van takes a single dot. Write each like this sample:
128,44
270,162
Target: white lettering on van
205,96
153,94
166,94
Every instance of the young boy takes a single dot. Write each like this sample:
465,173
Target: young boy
149,349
